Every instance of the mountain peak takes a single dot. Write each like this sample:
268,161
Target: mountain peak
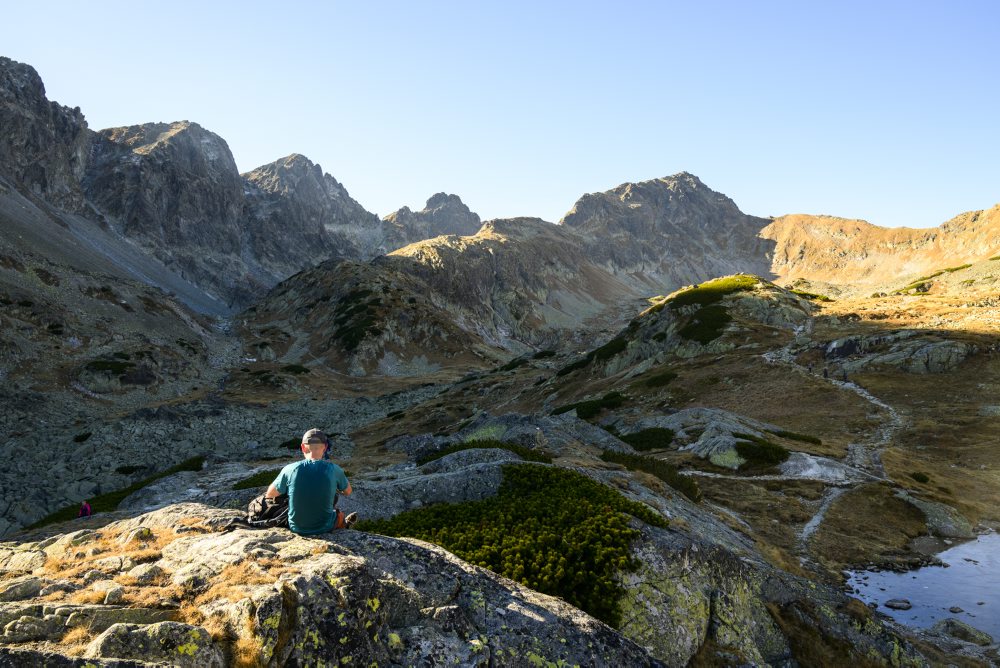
443,214
441,199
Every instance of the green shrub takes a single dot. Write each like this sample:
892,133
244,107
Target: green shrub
126,470
554,530
611,348
259,479
513,364
660,379
542,354
114,366
80,438
922,285
654,438
295,368
355,319
713,291
109,502
579,364
960,267
661,469
291,444
994,258
811,296
759,452
920,477
659,337
588,409
791,435
525,453
707,324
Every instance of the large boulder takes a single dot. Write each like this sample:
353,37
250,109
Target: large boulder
178,644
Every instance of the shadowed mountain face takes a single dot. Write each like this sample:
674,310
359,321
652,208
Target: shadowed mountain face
298,216
670,231
173,190
44,145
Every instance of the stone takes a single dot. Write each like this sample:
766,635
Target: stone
955,610
60,546
179,644
962,631
114,596
137,535
898,604
28,628
145,574
115,564
942,519
20,561
98,617
19,589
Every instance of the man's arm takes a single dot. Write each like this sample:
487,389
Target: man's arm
279,482
347,491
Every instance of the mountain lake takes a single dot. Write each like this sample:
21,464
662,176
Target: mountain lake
971,582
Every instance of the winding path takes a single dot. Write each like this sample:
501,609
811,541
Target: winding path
864,456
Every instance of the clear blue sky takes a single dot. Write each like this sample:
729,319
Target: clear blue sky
886,111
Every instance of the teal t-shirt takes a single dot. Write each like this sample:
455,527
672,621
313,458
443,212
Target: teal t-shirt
311,485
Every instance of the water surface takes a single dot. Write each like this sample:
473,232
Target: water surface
972,582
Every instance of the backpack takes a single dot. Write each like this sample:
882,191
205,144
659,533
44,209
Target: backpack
263,512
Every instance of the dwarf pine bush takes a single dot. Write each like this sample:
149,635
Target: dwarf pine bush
524,453
551,529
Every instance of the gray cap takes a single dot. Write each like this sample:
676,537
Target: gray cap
314,436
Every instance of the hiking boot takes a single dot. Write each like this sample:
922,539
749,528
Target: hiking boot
350,520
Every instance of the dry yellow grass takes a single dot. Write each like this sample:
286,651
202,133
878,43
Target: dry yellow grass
75,641
87,596
234,582
248,652
151,597
53,596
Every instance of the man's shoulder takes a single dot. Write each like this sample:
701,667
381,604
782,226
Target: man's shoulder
288,468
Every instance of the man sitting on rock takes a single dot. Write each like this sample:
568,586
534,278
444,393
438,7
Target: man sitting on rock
312,486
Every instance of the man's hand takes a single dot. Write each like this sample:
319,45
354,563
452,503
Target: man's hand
273,492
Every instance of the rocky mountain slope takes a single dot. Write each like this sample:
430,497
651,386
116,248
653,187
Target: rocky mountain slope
754,427
173,190
837,250
668,232
693,591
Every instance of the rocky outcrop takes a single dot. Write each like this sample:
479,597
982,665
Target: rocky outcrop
671,231
343,597
519,282
700,589
907,350
174,188
444,215
44,145
367,319
297,216
694,321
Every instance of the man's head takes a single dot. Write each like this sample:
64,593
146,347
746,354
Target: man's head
314,444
